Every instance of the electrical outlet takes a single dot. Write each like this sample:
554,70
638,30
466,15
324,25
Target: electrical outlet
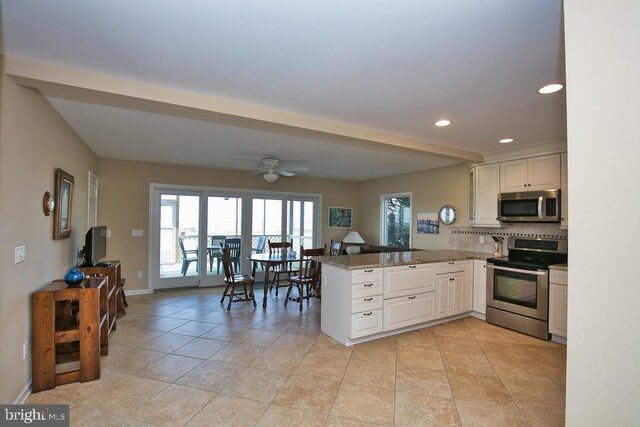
140,274
20,254
137,233
25,350
481,239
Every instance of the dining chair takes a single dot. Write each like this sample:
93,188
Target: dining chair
233,280
188,256
309,276
234,244
335,248
279,249
216,243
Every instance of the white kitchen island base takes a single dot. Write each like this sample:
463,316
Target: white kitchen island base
364,304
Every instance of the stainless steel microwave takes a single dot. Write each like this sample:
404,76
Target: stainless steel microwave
529,206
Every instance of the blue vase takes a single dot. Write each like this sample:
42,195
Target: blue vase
74,277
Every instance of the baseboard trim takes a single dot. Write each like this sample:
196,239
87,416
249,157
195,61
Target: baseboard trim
138,292
24,394
558,339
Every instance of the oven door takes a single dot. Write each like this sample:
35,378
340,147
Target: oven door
518,290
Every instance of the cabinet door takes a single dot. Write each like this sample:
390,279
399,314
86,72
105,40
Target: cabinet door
456,292
367,323
486,195
408,280
513,176
480,286
471,191
467,287
558,310
544,173
410,310
564,192
442,296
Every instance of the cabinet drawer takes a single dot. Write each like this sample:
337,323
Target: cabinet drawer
558,276
366,275
409,310
407,280
450,267
366,304
366,289
367,323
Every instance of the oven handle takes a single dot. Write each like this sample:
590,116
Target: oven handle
517,270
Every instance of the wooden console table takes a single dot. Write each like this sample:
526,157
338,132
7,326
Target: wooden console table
69,323
117,301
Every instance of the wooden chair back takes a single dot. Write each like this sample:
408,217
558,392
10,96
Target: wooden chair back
310,268
277,248
335,248
227,263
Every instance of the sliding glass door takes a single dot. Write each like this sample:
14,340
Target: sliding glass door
189,228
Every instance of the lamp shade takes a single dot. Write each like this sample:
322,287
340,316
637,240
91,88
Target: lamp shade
270,177
353,237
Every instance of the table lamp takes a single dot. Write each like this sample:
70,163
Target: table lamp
354,239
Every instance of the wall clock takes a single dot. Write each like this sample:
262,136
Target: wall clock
48,203
447,214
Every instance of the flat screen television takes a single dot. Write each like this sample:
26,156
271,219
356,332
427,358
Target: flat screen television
95,245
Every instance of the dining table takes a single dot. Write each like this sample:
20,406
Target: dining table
269,260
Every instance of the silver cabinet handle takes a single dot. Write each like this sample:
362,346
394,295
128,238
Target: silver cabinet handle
369,271
412,266
412,297
452,262
368,299
367,314
368,285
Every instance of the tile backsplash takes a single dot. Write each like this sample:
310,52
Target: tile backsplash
468,238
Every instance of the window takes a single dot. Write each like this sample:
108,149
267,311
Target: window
396,220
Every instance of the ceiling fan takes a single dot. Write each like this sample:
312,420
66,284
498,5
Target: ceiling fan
271,169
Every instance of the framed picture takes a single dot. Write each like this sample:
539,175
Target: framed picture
427,223
63,205
340,217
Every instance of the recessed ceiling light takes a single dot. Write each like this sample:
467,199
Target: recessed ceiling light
506,140
443,122
550,88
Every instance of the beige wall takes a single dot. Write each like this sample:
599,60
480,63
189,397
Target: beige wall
34,141
603,106
431,190
124,203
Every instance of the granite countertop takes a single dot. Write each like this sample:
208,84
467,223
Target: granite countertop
563,266
389,259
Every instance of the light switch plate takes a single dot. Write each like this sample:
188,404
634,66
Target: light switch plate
20,254
108,233
140,274
137,233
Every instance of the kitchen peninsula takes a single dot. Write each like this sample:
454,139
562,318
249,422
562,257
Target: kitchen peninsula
369,296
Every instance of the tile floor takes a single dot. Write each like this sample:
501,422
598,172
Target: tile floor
178,358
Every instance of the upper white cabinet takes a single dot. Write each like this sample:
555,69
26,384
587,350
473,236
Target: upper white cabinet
564,204
533,174
484,186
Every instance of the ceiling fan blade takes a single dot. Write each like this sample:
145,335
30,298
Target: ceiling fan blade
257,172
285,173
297,168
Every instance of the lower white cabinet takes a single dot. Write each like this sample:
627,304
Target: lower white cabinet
409,310
480,286
558,297
366,323
404,280
451,291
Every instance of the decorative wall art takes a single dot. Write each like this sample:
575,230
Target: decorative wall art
340,217
427,223
63,206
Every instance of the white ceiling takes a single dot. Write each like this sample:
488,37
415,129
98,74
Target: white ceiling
395,66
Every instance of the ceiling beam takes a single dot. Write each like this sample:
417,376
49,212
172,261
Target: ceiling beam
80,85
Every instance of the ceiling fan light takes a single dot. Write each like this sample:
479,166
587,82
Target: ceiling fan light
270,177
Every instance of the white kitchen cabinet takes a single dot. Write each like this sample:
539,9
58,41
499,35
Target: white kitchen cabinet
366,323
480,286
456,293
558,297
467,287
453,292
564,192
443,308
484,186
408,310
533,174
406,280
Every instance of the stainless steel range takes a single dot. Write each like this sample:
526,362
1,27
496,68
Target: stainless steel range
518,285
